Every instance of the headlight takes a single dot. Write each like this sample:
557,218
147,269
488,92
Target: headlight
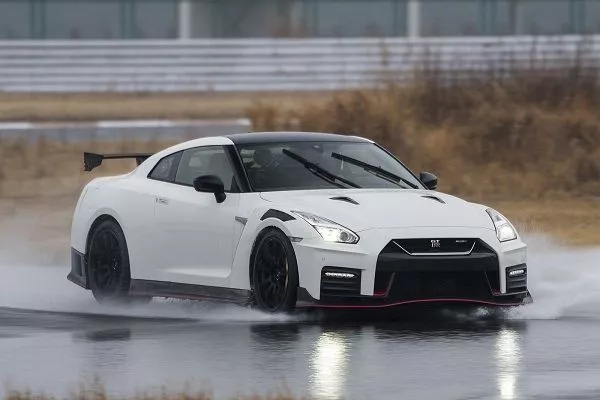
504,230
329,230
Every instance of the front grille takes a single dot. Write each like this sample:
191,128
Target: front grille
463,268
435,285
340,282
517,282
481,258
432,246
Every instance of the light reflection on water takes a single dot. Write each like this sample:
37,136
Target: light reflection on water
328,366
508,357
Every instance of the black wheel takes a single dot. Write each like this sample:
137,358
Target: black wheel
274,272
108,263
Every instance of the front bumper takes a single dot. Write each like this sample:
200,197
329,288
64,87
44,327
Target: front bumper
490,273
305,301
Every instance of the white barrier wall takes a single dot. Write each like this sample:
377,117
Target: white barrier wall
271,64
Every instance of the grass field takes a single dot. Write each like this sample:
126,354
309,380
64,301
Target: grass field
527,145
108,106
39,205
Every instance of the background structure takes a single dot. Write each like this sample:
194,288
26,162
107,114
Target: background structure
170,19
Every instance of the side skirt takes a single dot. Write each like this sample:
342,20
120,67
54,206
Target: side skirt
140,287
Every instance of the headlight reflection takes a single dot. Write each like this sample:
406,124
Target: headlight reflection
328,366
508,357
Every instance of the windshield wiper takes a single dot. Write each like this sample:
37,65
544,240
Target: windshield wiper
319,171
377,171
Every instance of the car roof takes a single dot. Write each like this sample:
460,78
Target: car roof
283,137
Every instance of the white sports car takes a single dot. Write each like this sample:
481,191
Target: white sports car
285,220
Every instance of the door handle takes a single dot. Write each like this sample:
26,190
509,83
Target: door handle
161,200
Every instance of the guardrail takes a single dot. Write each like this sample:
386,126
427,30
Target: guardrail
270,64
139,130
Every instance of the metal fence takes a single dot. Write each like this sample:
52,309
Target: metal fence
271,64
169,19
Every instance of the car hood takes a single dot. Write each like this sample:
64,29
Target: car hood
384,208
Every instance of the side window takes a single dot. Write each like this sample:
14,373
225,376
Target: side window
166,168
209,160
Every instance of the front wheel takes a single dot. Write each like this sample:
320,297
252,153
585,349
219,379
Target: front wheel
274,272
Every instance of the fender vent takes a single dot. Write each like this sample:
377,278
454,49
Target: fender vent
434,198
344,198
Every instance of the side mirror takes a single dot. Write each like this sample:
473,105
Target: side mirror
429,180
211,184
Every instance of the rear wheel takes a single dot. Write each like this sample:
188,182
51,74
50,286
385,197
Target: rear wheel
274,272
108,264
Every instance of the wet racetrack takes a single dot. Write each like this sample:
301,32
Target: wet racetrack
53,338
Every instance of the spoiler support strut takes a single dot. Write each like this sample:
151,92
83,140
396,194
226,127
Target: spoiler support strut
93,160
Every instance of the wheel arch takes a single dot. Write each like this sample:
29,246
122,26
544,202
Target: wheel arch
256,226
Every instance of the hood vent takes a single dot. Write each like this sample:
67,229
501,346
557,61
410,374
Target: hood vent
344,198
434,198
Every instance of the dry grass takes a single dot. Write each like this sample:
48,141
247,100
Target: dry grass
528,145
42,199
49,168
572,222
527,137
115,106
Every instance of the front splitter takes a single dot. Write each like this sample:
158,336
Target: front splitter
305,301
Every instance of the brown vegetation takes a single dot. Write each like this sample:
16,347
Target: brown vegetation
45,107
572,222
528,145
527,137
53,168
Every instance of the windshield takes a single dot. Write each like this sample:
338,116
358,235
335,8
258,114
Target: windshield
323,165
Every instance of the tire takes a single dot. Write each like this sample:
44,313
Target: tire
108,265
274,272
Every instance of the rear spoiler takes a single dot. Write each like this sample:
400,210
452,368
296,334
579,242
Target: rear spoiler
93,160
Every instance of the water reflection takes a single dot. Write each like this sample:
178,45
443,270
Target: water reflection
328,366
508,357
105,335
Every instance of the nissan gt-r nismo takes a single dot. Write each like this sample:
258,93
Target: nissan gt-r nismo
285,220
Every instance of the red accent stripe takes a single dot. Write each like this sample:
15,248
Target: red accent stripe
406,302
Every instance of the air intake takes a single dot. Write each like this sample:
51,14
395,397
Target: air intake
340,282
516,279
435,198
344,198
